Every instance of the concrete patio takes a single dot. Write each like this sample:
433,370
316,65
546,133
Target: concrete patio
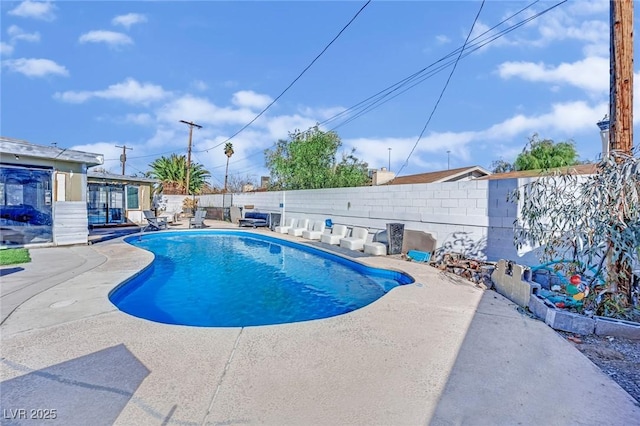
439,351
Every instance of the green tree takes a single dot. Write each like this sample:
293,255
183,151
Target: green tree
501,166
350,172
228,151
591,222
307,160
172,174
546,154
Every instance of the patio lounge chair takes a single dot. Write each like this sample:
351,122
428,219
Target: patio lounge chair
283,229
356,240
338,232
315,233
296,231
198,220
154,223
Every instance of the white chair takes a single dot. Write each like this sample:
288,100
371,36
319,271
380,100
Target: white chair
338,232
198,220
296,231
315,232
283,229
356,240
375,248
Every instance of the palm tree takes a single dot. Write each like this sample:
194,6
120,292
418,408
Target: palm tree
172,174
228,151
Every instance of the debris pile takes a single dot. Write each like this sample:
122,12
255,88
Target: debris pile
476,271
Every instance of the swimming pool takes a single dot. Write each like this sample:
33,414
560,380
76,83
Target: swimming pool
235,279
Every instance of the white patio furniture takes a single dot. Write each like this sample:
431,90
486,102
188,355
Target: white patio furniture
283,229
376,249
338,232
316,232
297,230
356,240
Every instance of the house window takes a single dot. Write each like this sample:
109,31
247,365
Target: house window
133,200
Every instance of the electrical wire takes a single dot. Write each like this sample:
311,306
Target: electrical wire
418,77
392,91
293,82
407,83
435,107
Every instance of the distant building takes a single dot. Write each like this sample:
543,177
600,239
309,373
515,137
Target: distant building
380,176
264,181
452,175
43,194
580,169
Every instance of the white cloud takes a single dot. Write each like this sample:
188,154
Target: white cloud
111,38
142,119
202,111
73,97
35,67
250,99
43,10
280,126
562,122
16,33
443,39
5,48
199,85
563,118
129,19
590,74
321,114
130,91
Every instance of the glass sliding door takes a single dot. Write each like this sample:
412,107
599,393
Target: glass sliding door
105,204
97,204
25,205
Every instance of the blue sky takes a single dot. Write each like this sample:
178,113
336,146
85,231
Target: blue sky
93,75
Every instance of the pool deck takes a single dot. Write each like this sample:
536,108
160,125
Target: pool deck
440,351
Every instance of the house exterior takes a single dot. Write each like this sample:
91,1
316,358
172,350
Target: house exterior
452,175
116,199
579,169
43,194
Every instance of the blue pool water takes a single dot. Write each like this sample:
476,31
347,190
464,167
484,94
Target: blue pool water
235,279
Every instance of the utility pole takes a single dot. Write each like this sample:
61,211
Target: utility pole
621,115
123,156
191,125
621,76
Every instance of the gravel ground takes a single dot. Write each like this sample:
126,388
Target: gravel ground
617,357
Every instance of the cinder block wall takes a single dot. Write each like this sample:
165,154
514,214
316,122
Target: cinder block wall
472,217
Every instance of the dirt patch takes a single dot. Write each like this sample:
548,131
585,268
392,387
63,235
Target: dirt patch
617,357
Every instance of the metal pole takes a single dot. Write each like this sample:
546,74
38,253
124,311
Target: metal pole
389,160
448,163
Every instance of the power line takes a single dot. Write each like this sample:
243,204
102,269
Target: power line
435,107
293,82
418,77
411,81
280,95
412,77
